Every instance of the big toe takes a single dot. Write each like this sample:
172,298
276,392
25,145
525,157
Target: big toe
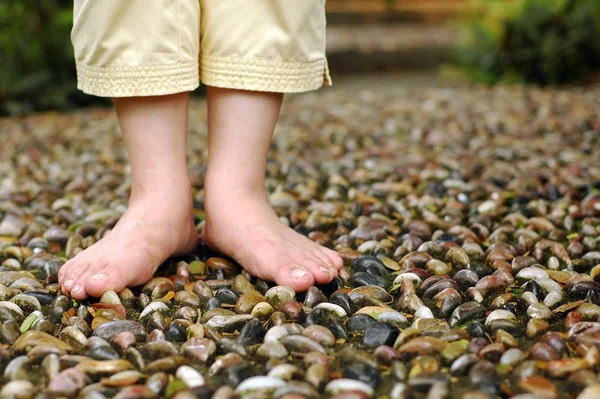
106,279
299,278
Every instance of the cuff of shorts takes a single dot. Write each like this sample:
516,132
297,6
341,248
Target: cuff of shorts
262,74
138,81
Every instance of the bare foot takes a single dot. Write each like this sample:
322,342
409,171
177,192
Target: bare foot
154,227
244,227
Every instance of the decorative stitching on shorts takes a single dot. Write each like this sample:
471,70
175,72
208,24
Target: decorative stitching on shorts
263,74
137,81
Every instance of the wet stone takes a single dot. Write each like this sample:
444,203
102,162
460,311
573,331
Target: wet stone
111,328
252,333
280,295
362,372
370,264
226,296
344,301
359,323
365,279
313,297
378,334
229,323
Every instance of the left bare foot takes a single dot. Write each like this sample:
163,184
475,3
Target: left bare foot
154,227
244,227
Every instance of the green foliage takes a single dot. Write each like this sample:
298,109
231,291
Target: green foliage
545,42
37,70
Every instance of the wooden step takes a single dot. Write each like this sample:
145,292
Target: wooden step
427,9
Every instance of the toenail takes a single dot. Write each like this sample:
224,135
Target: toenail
298,273
77,288
100,276
326,270
69,283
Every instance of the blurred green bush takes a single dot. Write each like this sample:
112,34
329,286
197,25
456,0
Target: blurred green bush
37,70
545,42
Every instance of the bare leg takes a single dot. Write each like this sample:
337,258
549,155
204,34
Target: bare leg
239,220
159,221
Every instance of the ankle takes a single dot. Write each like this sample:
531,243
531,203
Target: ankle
161,191
214,195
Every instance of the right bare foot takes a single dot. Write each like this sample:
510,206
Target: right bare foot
244,227
156,226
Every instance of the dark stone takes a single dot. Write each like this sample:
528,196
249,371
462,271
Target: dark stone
225,295
102,353
217,274
466,278
343,300
370,264
45,298
327,320
302,229
362,278
59,306
313,297
46,265
424,381
378,334
252,333
471,310
238,373
331,286
510,326
213,303
336,327
449,304
359,323
362,372
484,375
480,269
581,289
201,392
533,287
176,332
476,329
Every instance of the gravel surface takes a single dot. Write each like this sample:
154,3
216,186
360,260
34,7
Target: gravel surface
468,219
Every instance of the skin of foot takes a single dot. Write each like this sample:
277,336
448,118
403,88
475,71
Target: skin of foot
244,227
159,221
145,236
239,220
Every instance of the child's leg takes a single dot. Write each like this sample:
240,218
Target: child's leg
239,220
159,221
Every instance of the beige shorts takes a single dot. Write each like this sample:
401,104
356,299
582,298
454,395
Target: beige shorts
126,48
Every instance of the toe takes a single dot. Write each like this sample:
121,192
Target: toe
105,279
72,275
327,261
337,260
78,291
321,273
297,277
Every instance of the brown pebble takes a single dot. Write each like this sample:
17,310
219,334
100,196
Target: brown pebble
539,386
294,312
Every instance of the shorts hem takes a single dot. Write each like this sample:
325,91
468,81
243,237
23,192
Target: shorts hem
263,74
138,81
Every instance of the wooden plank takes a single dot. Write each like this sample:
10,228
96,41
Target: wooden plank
406,6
